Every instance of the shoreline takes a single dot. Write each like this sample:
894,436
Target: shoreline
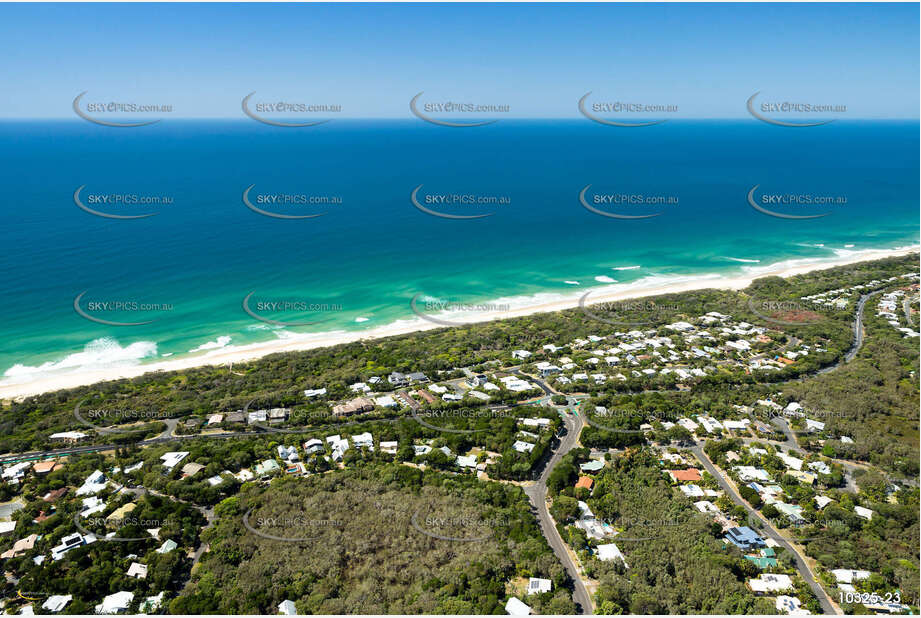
307,341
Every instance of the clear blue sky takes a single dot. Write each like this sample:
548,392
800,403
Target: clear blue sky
537,58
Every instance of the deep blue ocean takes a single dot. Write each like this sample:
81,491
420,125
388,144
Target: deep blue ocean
365,258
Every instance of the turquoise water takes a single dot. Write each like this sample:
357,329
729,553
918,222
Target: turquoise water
369,255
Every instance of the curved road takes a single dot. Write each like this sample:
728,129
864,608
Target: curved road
537,493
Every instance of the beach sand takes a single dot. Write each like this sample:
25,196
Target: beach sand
307,341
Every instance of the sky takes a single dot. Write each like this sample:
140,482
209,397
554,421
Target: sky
538,59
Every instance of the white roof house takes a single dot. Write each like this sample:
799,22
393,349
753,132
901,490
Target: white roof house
287,608
849,576
523,447
515,607
137,570
115,603
610,551
57,602
171,459
863,512
93,484
536,585
790,605
770,582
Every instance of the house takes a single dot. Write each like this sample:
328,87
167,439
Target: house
691,475
137,570
536,585
744,538
822,501
705,506
44,467
171,459
790,462
69,542
803,477
287,608
71,437
191,469
314,392
585,482
93,484
56,602
289,453
54,494
389,447
257,416
313,446
406,399
277,415
267,467
750,473
762,562
354,406
360,387
819,467
386,402
769,583
20,547
789,605
116,603
849,576
152,604
418,376
515,607
426,395
521,354
475,380
609,552
466,461
397,379
692,491
91,506
364,440
523,447
592,466
863,512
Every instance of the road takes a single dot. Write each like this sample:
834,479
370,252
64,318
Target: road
801,565
537,493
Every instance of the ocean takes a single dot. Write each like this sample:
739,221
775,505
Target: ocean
84,291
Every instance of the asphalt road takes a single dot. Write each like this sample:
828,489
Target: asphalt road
537,493
801,565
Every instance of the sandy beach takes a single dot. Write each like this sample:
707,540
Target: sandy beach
297,341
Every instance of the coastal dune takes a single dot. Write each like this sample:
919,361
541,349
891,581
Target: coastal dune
26,385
